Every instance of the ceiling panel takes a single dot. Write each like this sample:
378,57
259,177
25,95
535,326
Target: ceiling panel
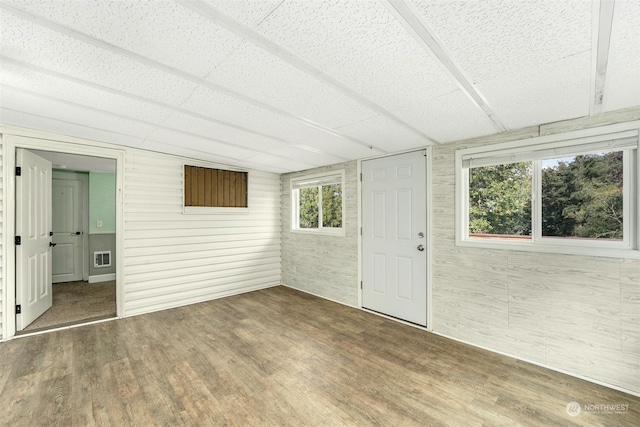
226,108
253,71
249,12
383,134
200,142
521,55
43,107
164,31
449,118
543,93
40,46
27,79
58,125
622,88
285,85
238,137
362,45
492,38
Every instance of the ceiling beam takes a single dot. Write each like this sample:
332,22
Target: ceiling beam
602,15
209,12
101,44
407,14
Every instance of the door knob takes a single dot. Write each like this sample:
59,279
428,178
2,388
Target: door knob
77,233
421,248
52,244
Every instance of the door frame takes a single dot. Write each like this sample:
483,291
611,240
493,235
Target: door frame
429,238
16,137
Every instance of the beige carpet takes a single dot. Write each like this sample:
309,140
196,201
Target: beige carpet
75,302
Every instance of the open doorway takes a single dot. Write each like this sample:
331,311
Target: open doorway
82,241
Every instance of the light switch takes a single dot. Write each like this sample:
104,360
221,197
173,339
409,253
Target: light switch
99,223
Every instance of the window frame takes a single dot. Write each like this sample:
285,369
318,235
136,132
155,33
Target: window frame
299,182
612,138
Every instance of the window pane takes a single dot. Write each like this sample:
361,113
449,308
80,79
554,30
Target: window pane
309,207
500,201
582,196
332,205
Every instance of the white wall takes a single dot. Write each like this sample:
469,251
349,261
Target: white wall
323,265
175,259
170,258
575,313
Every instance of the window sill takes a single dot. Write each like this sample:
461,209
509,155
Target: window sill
528,246
317,232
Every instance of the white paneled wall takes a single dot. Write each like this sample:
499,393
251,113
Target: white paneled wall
319,264
174,259
574,313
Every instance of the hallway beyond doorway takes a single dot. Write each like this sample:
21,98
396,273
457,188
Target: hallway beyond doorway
75,302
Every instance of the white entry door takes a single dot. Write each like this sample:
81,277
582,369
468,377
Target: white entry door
394,222
34,293
67,230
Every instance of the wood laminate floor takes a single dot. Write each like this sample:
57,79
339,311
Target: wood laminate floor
279,357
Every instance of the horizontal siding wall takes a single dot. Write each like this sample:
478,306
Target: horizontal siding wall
323,265
575,313
174,259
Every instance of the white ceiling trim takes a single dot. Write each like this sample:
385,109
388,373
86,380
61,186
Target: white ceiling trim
36,68
601,40
39,20
220,18
407,14
157,126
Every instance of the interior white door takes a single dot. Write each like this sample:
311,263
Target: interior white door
394,222
67,230
34,292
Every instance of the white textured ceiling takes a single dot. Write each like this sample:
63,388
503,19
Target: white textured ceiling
288,85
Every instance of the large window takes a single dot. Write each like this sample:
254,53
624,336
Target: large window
573,195
316,204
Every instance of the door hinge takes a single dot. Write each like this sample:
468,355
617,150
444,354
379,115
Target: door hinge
18,309
361,284
361,231
18,240
361,176
18,171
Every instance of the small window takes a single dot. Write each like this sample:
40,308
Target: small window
570,196
317,203
205,187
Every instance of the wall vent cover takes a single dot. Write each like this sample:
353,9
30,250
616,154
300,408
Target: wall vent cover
102,259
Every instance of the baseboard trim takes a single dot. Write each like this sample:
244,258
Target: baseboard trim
102,278
319,296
